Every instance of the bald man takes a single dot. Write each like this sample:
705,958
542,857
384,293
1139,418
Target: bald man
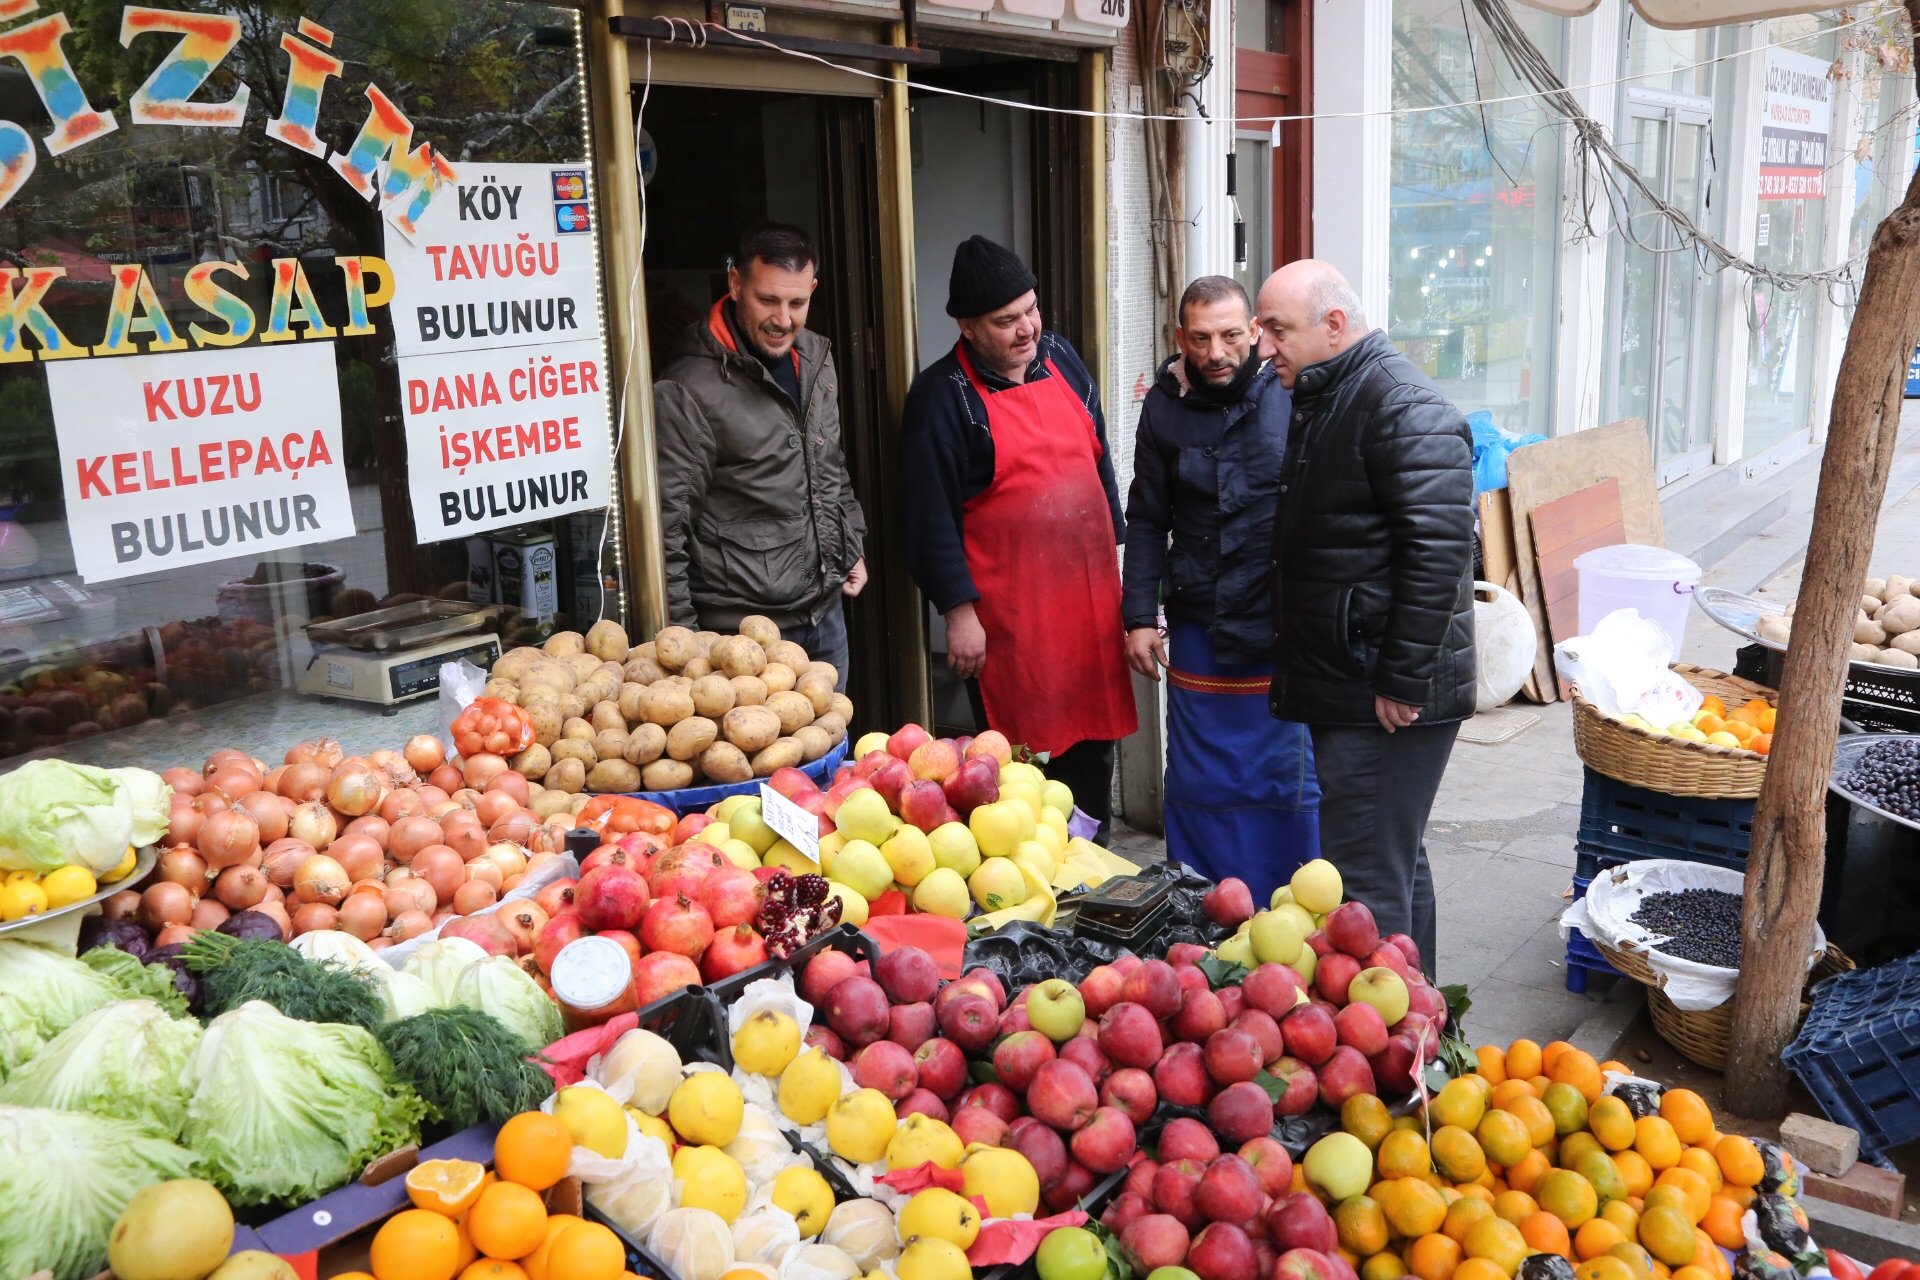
1373,585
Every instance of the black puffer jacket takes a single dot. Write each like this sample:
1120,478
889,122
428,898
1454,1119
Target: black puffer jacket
1373,546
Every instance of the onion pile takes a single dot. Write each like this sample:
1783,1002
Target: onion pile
385,847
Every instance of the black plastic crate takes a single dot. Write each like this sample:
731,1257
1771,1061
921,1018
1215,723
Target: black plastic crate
639,1261
692,1022
843,937
1858,1053
1628,823
1877,699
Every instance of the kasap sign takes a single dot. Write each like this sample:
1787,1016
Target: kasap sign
1797,117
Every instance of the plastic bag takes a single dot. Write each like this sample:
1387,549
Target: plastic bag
1023,953
1782,1174
1623,668
492,725
460,683
1491,448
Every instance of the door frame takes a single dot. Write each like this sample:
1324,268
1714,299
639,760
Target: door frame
1281,84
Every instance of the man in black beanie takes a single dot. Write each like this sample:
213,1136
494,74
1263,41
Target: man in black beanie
1012,518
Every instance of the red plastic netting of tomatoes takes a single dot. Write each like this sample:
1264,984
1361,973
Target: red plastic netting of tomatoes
490,725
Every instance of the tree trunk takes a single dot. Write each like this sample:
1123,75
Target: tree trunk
1788,858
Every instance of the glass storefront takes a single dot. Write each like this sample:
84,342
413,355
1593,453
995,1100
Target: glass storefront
228,463
1475,228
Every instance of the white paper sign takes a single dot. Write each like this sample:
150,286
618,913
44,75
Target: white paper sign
503,374
1796,121
790,822
182,458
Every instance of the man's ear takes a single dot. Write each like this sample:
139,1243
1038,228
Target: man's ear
733,283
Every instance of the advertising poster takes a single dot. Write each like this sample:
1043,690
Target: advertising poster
187,457
502,353
1797,117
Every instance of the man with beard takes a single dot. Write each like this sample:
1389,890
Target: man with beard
757,512
1012,516
1241,796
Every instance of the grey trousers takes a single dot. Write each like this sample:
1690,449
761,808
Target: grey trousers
1376,790
825,640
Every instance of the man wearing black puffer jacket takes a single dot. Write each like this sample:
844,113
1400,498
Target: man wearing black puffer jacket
1373,585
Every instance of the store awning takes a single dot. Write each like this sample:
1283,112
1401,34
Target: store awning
1682,14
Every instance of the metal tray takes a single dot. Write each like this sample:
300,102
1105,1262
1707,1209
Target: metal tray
403,626
1846,752
1741,615
142,867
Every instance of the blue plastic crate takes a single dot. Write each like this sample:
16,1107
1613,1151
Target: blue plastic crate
1583,957
1858,1053
1626,823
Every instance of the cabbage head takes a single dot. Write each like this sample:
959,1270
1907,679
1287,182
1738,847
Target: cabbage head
128,1061
502,988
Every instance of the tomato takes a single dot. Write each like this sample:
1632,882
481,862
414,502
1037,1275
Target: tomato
1893,1269
1843,1267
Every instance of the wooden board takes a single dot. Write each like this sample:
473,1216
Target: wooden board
1539,473
1562,530
1497,556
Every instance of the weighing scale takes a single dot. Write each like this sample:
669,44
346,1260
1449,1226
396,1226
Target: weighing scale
394,655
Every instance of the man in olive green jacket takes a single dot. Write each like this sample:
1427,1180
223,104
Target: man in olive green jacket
759,515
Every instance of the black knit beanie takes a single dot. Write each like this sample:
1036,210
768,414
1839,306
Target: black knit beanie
986,277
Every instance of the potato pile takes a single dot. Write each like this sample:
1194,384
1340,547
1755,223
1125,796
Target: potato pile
684,707
1886,630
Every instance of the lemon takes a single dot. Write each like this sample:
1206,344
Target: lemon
766,1043
594,1120
1002,1178
921,1138
808,1087
20,899
803,1193
860,1125
654,1127
932,1259
123,868
706,1109
940,1214
15,877
68,885
710,1179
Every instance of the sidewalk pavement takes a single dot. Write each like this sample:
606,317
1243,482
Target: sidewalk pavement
1500,839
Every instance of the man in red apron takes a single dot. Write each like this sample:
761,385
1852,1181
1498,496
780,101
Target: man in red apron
1012,518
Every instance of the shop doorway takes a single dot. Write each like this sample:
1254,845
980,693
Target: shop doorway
1273,165
725,160
1012,175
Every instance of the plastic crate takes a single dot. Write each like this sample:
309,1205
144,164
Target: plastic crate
692,1021
1583,957
1858,1053
639,1261
1093,1202
1627,823
842,937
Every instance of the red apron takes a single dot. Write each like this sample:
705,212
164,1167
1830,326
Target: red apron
1040,547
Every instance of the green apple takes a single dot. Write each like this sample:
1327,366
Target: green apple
863,868
1237,951
1308,962
749,825
1071,1253
955,848
1276,937
864,816
1055,1009
1302,918
1171,1273
943,893
1382,988
869,743
1281,896
910,855
1340,1165
1317,886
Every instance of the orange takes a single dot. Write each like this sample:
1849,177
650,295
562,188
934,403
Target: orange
1695,1187
1568,1196
1504,1137
1700,1160
1403,1154
1464,1213
1515,1206
1714,704
1362,1227
1534,1114
1691,1272
1707,1255
1742,1196
1611,1121
1525,1173
1366,1117
1688,1113
1507,1091
532,1149
1636,1258
1384,1265
1550,1054
1544,1232
1567,1105
1457,1155
1604,1267
468,1254
1576,1147
1413,1208
536,1262
1709,722
1667,1235
1636,1175
1459,1104
493,1269
1739,1161
1523,1059
1613,1066
1493,1064
1433,1256
1480,1269
1577,1068
586,1251
1655,1140
509,1221
445,1186
1722,1223
1622,1215
1476,1190
1597,1167
1595,1237
1539,1084
1499,1242
416,1244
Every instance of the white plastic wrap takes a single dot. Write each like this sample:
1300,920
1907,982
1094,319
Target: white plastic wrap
641,1069
763,1235
1604,915
818,1262
865,1231
460,683
694,1244
1623,669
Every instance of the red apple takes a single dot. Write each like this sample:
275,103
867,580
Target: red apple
1334,975
941,1068
978,1124
1299,1221
1140,1177
1201,1014
1394,1066
1407,947
1181,954
1125,1210
1153,1241
1044,1149
1427,1000
1233,1000
1131,1092
990,743
1304,1264
1155,986
1345,1074
1229,1190
791,783
1222,1251
1361,1027
885,1066
1232,1056
1310,1033
1062,1094
1350,928
988,981
823,1038
1417,1027
969,1020
1019,1057
1126,964
965,986
891,780
1173,1188
1302,1087
1100,989
1273,989
1181,1076
827,970
1387,957
868,765
905,739
1322,945
922,804
934,761
996,1098
1084,1052
857,1009
1191,979
908,975
977,782
1184,1138
921,1102
1105,1142
1264,1030
1240,1111
911,1025
1129,1036
1013,1020
1271,1162
1229,903
1068,1188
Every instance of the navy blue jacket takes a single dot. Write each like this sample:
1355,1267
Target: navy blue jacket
946,457
1207,476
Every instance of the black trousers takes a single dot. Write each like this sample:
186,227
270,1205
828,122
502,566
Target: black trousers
1376,790
1086,768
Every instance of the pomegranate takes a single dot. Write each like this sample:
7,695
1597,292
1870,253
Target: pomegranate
731,951
557,896
679,925
609,855
662,973
524,920
627,943
732,895
557,933
485,932
680,871
610,898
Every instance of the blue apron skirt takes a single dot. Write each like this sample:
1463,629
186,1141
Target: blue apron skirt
1241,795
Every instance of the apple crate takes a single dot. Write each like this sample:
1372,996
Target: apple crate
846,938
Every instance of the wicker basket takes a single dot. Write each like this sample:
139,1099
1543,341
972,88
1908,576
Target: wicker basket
1672,766
1705,1036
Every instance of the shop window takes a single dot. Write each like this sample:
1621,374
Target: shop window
227,462
1474,236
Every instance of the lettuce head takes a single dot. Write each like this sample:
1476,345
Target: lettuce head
126,1061
53,813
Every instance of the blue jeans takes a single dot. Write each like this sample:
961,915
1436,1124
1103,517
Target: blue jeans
825,640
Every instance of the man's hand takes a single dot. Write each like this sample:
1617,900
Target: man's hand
856,578
1394,715
1146,651
966,641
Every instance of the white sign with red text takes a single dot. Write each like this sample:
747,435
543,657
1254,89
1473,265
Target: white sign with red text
189,457
496,316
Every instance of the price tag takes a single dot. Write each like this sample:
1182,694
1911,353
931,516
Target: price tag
790,822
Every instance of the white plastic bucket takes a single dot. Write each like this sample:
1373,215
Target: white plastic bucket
1656,581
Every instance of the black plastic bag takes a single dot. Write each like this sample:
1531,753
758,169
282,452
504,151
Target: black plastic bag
1642,1099
1546,1266
1023,953
1782,1176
